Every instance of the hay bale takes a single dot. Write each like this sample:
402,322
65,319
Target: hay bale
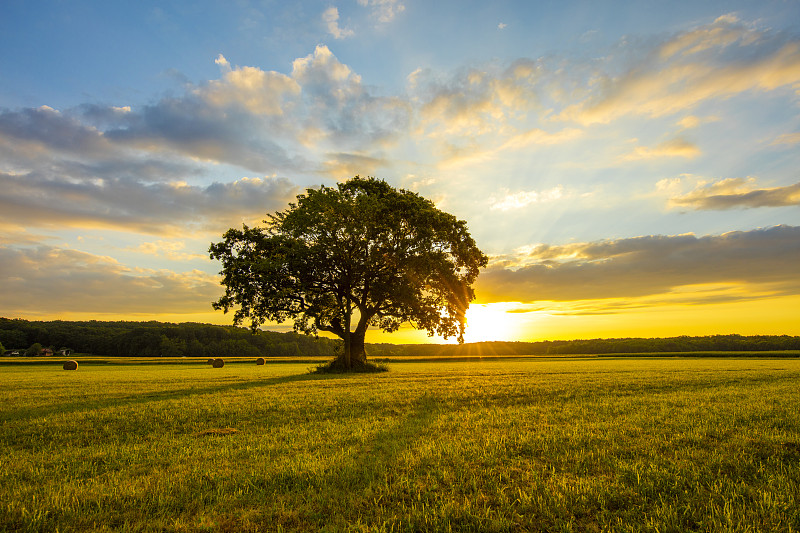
210,361
261,361
218,363
71,365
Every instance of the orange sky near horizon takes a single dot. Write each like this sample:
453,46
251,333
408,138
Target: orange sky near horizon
779,315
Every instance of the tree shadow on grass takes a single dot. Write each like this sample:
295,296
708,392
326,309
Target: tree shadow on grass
370,465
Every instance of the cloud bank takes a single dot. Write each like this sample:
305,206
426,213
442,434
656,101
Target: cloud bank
733,193
645,266
130,205
48,278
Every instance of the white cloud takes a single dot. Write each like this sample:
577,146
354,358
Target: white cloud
223,63
256,91
518,200
384,10
331,19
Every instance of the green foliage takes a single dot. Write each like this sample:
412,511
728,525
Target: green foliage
155,339
13,333
550,444
35,349
362,251
172,347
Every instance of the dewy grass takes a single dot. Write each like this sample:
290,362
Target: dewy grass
514,445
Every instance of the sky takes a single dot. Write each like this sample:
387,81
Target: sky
632,169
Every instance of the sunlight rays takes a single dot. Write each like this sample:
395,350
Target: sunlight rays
490,322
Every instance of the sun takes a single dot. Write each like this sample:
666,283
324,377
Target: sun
489,322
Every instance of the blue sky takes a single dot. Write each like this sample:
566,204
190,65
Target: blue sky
630,167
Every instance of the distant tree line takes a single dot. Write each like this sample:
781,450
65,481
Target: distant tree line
685,344
160,339
157,339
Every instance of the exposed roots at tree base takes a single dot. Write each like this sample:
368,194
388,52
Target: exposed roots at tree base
336,367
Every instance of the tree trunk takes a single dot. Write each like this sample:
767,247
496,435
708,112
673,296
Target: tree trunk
353,354
345,359
358,355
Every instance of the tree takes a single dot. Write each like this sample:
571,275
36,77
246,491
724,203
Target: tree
345,258
35,349
171,347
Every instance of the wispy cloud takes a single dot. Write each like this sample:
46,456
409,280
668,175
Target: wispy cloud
331,19
473,152
343,166
732,193
677,147
718,60
787,138
171,249
475,101
518,200
384,10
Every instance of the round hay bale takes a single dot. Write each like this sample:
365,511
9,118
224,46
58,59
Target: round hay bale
261,361
218,363
71,365
210,361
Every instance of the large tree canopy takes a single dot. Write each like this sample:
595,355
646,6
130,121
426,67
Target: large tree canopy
345,258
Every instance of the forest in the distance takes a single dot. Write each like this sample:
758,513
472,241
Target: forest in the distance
161,339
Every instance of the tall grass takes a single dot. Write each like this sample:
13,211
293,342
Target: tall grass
515,445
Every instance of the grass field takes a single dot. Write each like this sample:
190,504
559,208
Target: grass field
580,444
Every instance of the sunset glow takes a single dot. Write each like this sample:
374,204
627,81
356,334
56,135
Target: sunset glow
490,322
629,170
